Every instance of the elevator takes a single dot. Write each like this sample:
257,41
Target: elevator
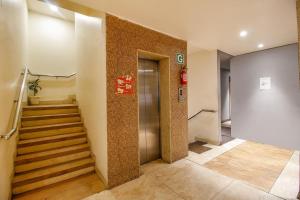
149,110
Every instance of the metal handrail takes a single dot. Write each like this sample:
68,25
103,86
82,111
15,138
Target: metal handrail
203,110
18,110
51,75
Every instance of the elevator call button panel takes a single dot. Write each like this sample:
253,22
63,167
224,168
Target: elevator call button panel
180,94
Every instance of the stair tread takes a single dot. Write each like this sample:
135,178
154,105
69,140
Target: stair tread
52,170
51,152
68,135
26,167
50,181
41,117
49,106
50,146
49,126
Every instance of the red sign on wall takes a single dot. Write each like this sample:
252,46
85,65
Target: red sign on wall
124,85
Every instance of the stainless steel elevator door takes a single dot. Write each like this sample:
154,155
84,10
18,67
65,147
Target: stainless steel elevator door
149,128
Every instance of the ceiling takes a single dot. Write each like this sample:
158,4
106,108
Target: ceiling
212,24
43,8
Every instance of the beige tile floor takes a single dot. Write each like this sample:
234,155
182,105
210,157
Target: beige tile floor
287,184
182,180
257,164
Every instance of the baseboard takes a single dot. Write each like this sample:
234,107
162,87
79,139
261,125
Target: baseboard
101,177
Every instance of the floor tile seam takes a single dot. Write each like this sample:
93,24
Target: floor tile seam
237,180
222,190
217,148
281,174
152,171
282,171
226,150
177,194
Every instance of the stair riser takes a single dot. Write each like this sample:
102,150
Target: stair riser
55,102
50,162
50,121
46,140
32,157
40,158
49,146
49,112
53,180
46,133
51,141
38,175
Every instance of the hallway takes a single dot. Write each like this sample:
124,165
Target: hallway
119,100
189,178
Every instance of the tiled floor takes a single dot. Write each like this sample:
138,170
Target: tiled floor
182,180
188,179
257,164
289,175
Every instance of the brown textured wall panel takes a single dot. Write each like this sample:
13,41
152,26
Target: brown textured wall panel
124,39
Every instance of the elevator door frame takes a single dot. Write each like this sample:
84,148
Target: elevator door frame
165,101
149,113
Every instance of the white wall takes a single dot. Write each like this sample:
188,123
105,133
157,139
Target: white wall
51,45
13,24
203,93
52,51
91,84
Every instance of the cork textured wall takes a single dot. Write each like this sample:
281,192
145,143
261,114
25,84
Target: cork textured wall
123,40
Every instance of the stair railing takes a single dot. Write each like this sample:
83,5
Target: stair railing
51,75
26,72
202,110
14,128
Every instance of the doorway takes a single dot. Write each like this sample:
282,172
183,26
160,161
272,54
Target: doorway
149,110
225,81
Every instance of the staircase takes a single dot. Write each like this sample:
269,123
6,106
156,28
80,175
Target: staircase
52,147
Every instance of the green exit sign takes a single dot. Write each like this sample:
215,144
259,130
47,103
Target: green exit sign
180,58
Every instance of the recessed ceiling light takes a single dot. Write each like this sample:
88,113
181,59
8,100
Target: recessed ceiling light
53,8
243,33
260,45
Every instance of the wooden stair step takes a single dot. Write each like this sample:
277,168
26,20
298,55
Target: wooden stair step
40,174
50,153
50,181
48,127
50,130
48,146
41,120
49,109
44,140
51,162
42,117
46,107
